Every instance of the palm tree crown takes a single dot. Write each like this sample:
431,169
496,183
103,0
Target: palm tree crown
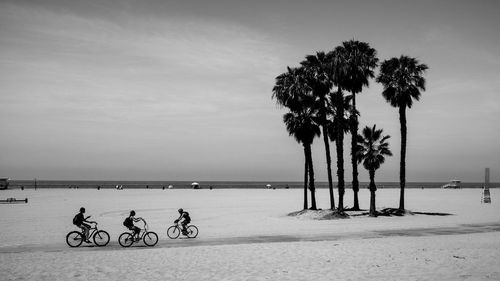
340,122
301,126
361,60
291,88
372,148
402,80
318,70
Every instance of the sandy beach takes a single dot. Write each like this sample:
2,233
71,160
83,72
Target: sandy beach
228,109
247,235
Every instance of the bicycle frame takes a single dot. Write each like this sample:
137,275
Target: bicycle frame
92,230
179,225
142,231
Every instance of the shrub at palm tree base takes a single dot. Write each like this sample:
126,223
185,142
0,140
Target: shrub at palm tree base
319,214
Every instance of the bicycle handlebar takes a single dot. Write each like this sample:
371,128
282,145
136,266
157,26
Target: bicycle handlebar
145,223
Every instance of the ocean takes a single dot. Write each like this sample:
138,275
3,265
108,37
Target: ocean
214,184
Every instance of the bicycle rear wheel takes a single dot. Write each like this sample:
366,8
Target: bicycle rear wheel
173,232
74,239
150,238
192,231
126,239
101,238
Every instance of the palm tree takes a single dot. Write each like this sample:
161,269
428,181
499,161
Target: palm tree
292,91
302,127
318,76
403,80
337,58
361,60
371,149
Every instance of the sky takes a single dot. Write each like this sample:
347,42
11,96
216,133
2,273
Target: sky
181,90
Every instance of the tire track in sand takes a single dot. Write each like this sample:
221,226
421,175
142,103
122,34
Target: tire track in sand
200,241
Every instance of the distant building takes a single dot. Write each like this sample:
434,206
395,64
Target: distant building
4,183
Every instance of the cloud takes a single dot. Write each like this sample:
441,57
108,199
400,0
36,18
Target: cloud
84,60
129,87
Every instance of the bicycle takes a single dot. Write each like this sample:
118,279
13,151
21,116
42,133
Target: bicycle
150,238
100,237
175,230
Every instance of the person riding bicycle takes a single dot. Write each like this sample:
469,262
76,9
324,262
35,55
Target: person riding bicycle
185,220
129,223
80,221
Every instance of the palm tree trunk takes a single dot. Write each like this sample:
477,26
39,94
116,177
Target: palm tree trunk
312,189
373,188
402,165
305,178
340,149
354,160
329,166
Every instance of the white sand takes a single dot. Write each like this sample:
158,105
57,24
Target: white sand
40,226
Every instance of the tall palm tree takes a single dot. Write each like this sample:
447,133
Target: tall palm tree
292,91
403,80
361,60
337,58
302,127
372,149
318,75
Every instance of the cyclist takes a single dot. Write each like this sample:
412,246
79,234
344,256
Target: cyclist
129,223
185,220
80,221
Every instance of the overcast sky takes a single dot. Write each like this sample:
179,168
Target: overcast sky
181,90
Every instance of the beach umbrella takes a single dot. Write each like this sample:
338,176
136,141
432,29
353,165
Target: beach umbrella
268,185
170,186
195,183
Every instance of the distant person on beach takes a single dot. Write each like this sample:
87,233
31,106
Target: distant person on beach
129,223
185,220
80,221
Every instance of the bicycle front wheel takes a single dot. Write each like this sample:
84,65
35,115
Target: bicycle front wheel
74,239
150,238
126,239
101,238
173,232
192,231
